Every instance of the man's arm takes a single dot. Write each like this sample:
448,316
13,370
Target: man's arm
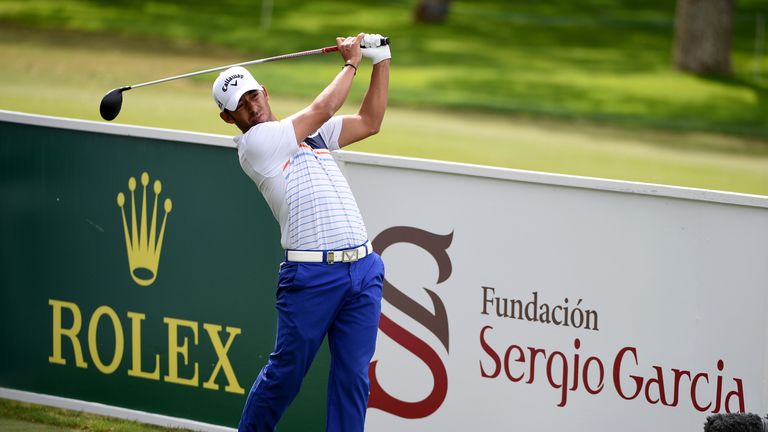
332,98
368,119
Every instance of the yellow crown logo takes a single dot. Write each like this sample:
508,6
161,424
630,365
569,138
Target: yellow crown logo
143,246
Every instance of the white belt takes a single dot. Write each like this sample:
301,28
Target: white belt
330,257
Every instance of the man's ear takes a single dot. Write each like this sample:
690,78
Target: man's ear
266,93
226,117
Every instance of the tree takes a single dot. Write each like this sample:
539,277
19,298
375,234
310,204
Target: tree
431,10
703,36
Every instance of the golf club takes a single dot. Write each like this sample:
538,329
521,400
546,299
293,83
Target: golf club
113,101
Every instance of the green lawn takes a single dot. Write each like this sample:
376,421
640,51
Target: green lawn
24,417
592,59
72,71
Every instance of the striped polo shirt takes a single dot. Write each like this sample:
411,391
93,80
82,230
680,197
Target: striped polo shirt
302,185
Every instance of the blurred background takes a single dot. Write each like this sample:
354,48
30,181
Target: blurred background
661,91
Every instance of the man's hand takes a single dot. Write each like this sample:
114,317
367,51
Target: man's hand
349,48
373,49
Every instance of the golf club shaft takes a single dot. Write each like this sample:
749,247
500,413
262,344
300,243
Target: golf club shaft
252,62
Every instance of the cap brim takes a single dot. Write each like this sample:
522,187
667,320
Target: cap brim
231,104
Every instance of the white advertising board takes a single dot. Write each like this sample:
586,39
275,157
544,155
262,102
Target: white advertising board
529,301
540,302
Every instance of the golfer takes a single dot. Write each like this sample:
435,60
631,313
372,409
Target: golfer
331,280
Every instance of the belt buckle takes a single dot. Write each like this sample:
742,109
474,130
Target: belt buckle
349,255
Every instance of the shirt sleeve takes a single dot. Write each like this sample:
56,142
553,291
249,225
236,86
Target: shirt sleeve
330,132
267,146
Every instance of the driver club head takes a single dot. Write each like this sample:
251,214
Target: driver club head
111,103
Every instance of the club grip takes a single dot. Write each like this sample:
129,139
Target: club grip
384,41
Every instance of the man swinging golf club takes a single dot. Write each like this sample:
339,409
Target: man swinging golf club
331,280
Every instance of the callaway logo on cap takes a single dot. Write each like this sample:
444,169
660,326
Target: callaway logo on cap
231,85
229,81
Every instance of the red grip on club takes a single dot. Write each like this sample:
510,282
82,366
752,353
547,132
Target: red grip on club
384,41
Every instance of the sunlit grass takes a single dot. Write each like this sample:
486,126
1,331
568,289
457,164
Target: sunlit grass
73,71
601,61
21,416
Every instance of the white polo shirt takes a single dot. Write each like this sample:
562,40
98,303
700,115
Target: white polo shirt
303,186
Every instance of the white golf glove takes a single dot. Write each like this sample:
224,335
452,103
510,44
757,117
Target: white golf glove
373,49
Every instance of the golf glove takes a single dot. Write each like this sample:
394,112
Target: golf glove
373,49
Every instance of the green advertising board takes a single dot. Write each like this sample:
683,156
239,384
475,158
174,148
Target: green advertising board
138,272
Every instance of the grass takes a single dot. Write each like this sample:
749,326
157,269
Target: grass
596,60
73,70
21,416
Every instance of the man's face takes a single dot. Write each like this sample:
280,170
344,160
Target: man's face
252,109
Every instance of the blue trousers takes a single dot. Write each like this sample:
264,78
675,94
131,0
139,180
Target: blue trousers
342,300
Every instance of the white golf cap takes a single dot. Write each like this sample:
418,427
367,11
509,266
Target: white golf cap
231,85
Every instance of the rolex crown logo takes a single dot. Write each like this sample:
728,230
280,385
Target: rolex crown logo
143,245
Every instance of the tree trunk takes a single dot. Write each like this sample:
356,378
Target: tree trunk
703,36
434,11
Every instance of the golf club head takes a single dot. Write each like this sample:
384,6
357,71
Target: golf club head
111,103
